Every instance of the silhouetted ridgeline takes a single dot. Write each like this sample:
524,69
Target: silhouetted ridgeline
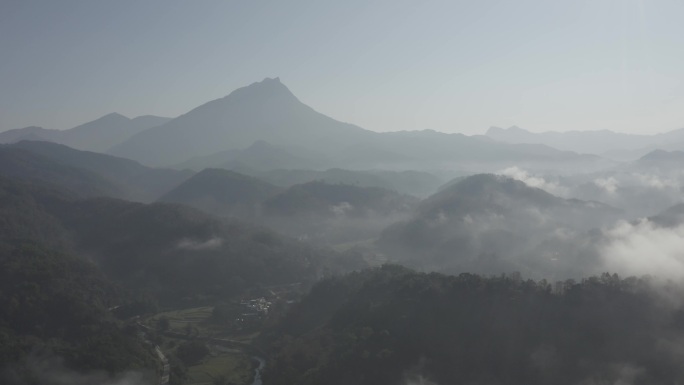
87,173
216,132
98,135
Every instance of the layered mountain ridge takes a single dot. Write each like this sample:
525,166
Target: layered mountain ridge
612,144
269,111
98,135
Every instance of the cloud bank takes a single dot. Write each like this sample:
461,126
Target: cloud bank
534,181
644,248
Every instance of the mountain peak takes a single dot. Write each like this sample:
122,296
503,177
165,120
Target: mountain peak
265,89
111,118
273,83
114,115
481,186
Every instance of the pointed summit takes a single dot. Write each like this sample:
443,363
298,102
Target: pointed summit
272,82
264,110
114,115
259,92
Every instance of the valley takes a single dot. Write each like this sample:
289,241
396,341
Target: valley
254,240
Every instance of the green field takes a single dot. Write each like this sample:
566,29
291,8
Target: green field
236,367
231,364
180,319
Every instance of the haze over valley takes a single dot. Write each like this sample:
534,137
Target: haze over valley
362,220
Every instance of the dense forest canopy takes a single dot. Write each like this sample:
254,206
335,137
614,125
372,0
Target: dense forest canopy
392,325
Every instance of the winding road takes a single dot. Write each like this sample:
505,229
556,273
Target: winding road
164,380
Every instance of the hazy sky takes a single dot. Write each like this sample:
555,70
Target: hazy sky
456,66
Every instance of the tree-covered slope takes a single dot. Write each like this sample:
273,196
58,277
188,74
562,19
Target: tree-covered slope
55,305
169,249
20,163
222,192
395,326
132,180
492,224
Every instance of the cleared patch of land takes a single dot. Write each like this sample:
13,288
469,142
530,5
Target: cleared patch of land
234,367
225,364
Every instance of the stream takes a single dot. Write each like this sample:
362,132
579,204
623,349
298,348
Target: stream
257,371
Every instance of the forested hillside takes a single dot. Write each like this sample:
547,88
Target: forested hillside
65,260
491,224
55,305
124,178
392,325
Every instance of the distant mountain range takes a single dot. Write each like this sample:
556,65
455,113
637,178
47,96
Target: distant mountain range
331,200
318,211
607,143
226,130
224,192
99,135
262,111
264,126
417,183
662,156
260,156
